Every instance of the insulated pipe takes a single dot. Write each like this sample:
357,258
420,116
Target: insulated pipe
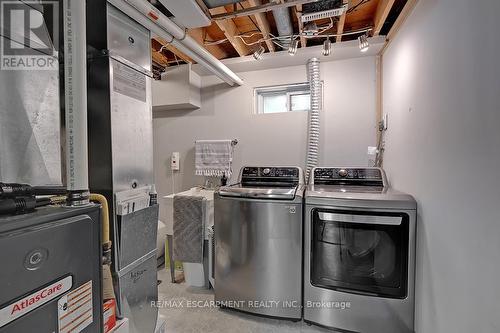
179,38
75,96
314,116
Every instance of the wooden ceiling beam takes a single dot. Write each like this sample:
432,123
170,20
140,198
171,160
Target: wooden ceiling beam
199,35
298,13
173,49
383,9
341,23
259,9
263,25
230,31
159,58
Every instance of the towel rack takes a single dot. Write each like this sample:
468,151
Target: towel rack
234,142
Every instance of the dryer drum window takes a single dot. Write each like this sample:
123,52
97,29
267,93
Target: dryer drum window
360,252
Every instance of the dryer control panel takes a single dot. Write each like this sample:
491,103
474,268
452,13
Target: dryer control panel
349,176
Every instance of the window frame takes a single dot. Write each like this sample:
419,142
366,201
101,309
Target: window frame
288,90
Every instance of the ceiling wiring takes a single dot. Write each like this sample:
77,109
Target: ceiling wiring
360,3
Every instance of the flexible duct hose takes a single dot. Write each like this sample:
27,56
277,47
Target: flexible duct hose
314,115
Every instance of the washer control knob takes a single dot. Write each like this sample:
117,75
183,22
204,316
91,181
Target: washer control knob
266,171
343,173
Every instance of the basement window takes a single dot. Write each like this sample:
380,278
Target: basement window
283,98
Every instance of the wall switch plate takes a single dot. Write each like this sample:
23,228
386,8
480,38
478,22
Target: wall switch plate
175,161
384,122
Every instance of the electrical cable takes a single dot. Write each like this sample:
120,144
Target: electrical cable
353,8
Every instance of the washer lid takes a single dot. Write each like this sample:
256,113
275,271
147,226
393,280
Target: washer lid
280,193
358,196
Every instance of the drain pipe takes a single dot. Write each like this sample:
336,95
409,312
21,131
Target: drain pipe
167,29
75,98
314,115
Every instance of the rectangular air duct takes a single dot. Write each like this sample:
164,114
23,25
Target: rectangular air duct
121,155
188,13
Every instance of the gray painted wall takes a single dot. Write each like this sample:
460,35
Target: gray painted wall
442,94
271,139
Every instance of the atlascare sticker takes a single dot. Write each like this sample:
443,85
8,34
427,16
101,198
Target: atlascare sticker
35,300
75,311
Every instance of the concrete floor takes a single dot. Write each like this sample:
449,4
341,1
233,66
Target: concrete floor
181,319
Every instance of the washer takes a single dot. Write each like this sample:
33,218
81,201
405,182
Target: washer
359,262
258,237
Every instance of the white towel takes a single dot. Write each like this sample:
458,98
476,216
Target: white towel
213,157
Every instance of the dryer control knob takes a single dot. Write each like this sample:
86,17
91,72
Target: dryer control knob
342,172
266,171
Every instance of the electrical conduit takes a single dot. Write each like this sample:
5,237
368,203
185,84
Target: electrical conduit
314,115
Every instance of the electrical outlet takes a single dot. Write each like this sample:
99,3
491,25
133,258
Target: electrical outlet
175,161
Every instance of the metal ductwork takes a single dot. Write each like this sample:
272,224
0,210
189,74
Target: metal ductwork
283,24
281,16
147,15
217,3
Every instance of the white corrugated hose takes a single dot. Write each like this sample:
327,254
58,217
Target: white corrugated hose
314,115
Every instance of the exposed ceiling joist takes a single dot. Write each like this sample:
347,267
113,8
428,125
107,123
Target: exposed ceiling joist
259,9
341,23
298,13
173,49
263,24
199,35
230,31
159,58
383,9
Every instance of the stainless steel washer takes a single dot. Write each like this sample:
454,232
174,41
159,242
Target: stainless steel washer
359,262
258,236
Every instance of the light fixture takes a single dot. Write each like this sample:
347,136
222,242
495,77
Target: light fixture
258,54
327,47
292,49
363,43
310,29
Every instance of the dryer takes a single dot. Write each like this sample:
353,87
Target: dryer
359,252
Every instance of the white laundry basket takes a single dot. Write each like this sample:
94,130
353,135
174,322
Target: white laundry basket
194,273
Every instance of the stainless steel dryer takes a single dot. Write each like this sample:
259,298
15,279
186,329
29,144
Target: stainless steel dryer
258,237
359,252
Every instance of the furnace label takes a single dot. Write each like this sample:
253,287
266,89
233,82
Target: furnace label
75,310
129,82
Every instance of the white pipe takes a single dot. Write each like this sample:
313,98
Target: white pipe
75,89
314,116
167,29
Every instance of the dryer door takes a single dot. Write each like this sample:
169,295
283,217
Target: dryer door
360,252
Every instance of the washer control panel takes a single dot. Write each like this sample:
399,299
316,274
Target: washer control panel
349,176
271,175
278,172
